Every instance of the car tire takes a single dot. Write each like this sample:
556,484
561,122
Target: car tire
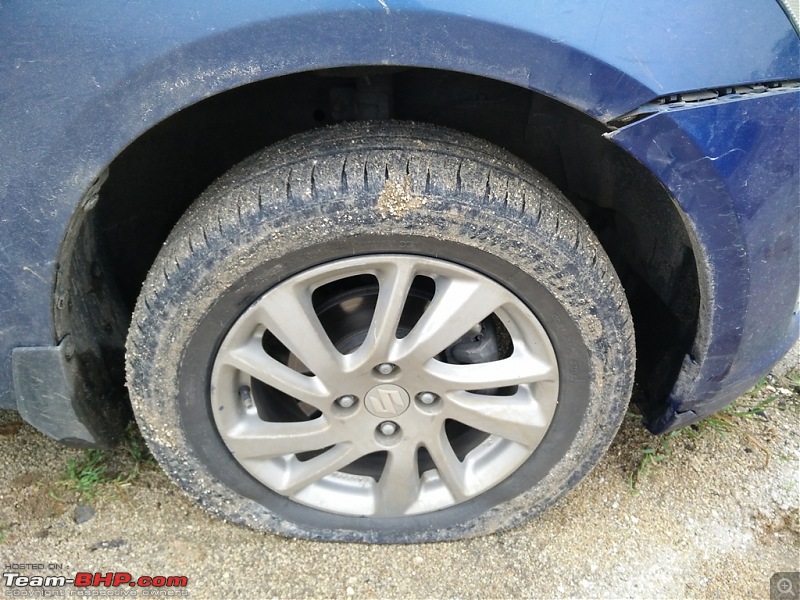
380,332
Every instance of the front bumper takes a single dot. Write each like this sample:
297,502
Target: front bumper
732,166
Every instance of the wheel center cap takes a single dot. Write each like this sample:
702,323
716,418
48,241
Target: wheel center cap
387,400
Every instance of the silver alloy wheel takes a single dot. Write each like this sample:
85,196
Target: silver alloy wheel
419,437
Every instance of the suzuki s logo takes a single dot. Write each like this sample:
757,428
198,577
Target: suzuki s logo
387,400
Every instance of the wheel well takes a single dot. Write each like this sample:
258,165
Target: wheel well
109,249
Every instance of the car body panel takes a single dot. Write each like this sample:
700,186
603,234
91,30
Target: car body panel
732,167
80,82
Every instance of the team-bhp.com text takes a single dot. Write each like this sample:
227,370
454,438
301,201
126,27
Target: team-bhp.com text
52,585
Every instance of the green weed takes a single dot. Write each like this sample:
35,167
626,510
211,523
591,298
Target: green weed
721,423
101,472
653,455
85,474
135,446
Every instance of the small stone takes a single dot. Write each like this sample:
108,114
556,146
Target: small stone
83,513
418,560
350,591
107,544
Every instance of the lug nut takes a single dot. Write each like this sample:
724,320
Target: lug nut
387,428
346,401
427,397
385,368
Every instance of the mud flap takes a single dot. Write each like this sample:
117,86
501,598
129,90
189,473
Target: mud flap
52,395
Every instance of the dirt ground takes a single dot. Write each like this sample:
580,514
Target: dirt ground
712,513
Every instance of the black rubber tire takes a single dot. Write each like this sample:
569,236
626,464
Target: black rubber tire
377,188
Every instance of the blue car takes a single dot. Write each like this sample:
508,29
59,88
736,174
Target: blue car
387,270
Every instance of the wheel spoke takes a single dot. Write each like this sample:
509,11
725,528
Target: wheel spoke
520,367
301,474
394,284
254,438
399,485
451,470
518,418
289,315
458,305
253,360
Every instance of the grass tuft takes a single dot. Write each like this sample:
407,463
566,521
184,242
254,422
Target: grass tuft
102,473
726,421
85,474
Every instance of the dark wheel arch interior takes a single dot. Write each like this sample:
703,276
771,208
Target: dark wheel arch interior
108,250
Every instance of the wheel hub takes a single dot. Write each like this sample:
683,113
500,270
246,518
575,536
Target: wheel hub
387,401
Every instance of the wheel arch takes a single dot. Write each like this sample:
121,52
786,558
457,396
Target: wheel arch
136,201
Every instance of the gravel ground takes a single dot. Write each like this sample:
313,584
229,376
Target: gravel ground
715,518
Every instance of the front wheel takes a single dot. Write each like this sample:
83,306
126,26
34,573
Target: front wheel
380,332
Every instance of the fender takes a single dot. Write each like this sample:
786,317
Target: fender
79,83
